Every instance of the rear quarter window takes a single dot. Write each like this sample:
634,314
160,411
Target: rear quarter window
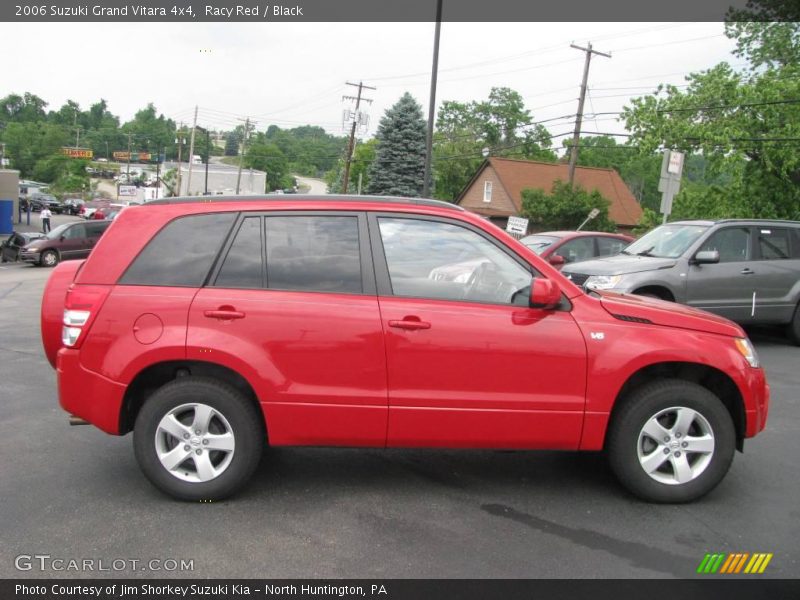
182,253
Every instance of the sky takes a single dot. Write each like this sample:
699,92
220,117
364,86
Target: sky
291,74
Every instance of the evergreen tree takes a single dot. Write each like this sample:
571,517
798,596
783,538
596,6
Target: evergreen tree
232,144
399,165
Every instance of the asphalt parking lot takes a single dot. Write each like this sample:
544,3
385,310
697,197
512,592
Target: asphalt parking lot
77,493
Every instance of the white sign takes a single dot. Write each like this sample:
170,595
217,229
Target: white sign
675,166
517,225
594,212
127,190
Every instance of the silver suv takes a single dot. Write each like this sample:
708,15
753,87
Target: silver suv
745,270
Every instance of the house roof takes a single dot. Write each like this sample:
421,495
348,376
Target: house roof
516,175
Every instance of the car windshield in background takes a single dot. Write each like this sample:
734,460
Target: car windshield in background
57,232
667,241
539,243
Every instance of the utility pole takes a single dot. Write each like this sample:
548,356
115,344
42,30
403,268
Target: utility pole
208,158
191,154
179,140
129,157
241,153
360,85
426,185
573,154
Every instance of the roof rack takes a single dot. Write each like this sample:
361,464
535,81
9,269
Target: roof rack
308,198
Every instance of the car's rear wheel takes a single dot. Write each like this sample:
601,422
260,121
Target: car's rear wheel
198,439
671,441
49,258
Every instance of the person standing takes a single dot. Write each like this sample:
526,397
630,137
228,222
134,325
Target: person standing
45,216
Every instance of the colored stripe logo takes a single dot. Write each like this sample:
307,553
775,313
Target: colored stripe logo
734,563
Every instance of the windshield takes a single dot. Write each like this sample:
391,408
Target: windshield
539,243
667,241
57,232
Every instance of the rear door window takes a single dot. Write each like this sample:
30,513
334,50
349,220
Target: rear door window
182,253
313,253
773,243
577,250
243,266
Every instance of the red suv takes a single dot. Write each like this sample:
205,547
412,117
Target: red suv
210,328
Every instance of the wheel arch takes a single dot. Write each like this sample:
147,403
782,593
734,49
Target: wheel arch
661,291
711,378
151,378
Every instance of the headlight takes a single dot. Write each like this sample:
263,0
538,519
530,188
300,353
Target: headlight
30,249
745,348
603,282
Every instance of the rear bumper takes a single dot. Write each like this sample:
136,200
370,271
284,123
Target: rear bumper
88,395
756,401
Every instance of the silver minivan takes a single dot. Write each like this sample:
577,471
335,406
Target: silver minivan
745,270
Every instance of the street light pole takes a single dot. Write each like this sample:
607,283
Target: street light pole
426,185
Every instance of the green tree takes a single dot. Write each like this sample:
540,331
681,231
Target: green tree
744,124
266,156
399,165
232,144
34,148
565,207
363,156
500,125
150,131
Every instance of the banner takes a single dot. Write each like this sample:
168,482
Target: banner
77,152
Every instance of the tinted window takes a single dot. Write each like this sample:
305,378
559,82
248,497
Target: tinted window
773,243
733,244
95,229
182,253
428,259
76,232
539,243
608,246
577,250
313,254
243,267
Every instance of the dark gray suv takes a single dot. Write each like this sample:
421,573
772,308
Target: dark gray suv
745,270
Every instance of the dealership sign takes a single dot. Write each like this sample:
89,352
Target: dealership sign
134,156
77,152
127,190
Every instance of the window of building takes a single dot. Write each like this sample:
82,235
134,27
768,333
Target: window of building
487,191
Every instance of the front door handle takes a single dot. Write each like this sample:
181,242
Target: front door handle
747,271
224,313
409,324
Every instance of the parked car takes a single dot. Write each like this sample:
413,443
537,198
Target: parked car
210,327
72,206
67,241
745,270
89,208
10,247
564,247
39,201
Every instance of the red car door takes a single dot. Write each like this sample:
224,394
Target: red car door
469,363
293,308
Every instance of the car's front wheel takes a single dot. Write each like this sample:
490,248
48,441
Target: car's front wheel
198,439
671,441
49,258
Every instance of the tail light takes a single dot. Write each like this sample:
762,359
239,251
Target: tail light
82,304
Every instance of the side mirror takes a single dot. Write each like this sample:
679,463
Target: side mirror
545,294
557,260
706,257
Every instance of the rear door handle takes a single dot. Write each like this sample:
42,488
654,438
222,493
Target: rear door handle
224,314
747,271
409,324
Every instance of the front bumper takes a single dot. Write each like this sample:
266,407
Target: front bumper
31,257
756,401
87,394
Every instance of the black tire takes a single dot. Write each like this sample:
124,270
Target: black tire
239,413
794,327
626,440
49,258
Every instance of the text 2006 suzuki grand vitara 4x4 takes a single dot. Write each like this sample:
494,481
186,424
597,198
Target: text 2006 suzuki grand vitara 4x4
210,328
